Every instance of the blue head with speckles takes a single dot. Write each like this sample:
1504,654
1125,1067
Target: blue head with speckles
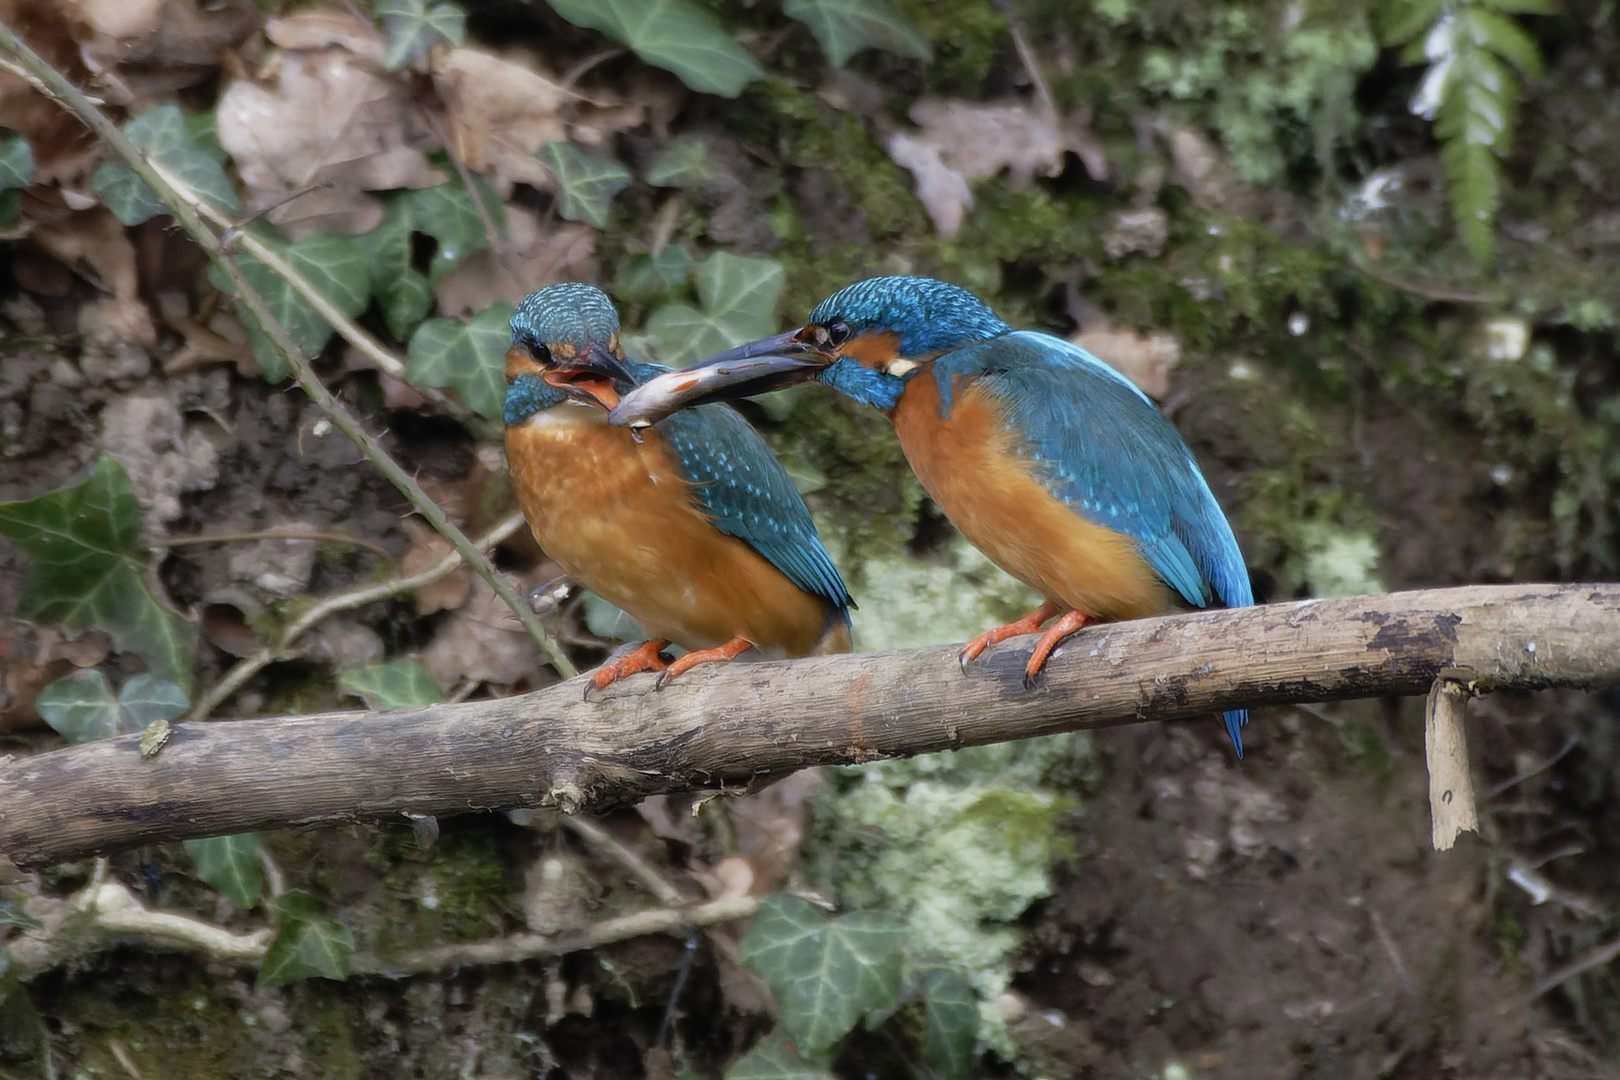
565,344
879,331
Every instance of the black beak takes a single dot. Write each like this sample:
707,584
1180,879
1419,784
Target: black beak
756,368
590,376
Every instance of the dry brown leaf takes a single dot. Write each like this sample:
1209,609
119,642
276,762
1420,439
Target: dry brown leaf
484,642
962,141
32,656
118,18
532,256
427,548
95,245
310,30
1144,229
501,111
771,825
366,139
1145,359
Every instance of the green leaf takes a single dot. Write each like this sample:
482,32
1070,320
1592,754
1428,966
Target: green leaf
1475,190
739,304
1401,20
1525,7
10,205
336,265
951,1022
414,27
147,697
185,148
771,1060
124,193
447,213
1505,38
675,35
469,358
587,182
231,865
311,943
642,277
444,213
684,163
845,27
826,973
80,707
393,684
84,540
16,163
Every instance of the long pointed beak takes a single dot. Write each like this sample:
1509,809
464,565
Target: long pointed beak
755,368
589,377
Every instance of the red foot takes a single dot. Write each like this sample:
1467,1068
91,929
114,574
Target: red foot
1071,621
729,651
643,657
1029,624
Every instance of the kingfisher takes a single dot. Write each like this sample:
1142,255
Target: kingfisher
692,528
1045,458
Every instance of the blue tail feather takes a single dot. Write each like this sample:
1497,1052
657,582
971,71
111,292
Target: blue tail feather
1235,719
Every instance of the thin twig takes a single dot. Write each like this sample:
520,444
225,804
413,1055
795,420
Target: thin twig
185,206
639,868
280,533
510,950
1569,744
1596,958
1043,93
249,666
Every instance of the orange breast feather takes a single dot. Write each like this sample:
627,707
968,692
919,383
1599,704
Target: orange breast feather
619,518
968,464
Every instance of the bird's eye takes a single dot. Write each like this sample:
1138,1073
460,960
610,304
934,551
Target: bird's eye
541,354
837,332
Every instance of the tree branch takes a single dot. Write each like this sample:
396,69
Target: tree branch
740,725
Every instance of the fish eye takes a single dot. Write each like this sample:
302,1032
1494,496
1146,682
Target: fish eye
837,332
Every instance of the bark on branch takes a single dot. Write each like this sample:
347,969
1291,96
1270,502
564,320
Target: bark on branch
732,727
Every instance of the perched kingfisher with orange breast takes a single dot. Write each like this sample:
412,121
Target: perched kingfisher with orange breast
693,529
1048,460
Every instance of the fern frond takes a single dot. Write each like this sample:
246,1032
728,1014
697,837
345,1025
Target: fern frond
1474,183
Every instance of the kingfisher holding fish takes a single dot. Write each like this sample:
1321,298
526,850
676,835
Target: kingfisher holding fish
1045,458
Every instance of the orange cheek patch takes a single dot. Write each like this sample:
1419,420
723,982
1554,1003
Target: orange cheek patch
519,362
875,351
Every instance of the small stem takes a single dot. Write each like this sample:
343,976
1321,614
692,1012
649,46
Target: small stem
184,205
249,666
273,534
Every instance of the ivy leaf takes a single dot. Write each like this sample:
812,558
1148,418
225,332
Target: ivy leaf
166,137
148,697
231,865
336,265
826,973
80,707
469,358
124,193
845,27
642,277
16,163
951,1022
684,163
675,35
414,27
587,181
771,1060
84,540
738,295
311,943
393,684
446,214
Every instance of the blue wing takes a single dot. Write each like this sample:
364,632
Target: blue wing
740,484
1108,453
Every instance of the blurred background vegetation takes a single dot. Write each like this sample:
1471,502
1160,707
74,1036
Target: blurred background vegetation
1362,253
